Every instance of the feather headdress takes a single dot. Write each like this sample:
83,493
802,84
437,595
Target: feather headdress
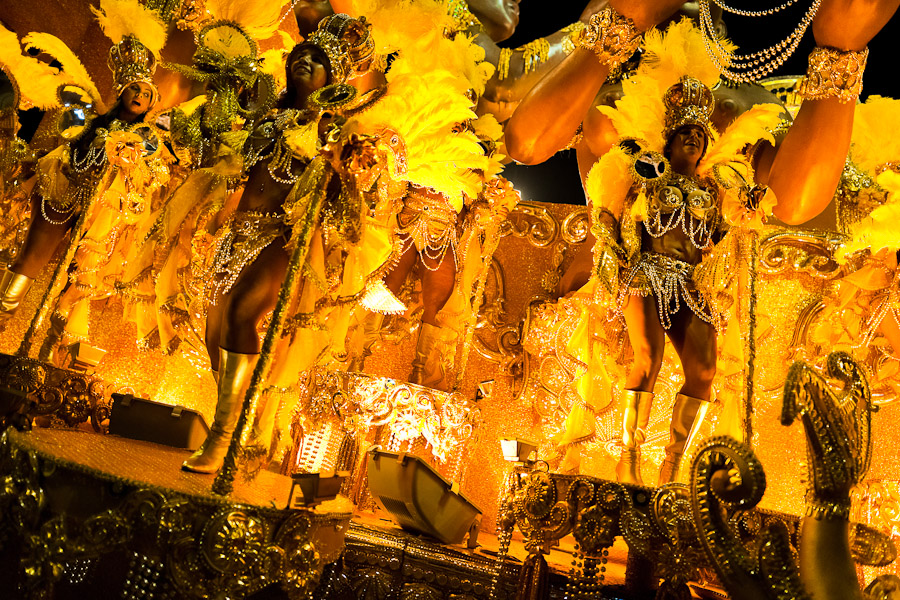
37,81
668,56
121,18
259,20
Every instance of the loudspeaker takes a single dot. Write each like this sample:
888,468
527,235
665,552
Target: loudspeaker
142,419
419,499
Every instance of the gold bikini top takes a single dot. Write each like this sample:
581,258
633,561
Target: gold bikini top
682,201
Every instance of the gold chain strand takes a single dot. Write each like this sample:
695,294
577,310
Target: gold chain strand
754,66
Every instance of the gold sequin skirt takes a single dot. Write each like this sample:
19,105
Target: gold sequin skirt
244,237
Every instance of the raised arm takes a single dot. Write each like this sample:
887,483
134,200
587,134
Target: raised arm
549,115
805,169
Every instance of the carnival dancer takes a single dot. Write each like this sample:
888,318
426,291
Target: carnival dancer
430,224
282,158
207,133
677,223
102,181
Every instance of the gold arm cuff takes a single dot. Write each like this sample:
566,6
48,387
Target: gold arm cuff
573,34
834,73
612,37
503,63
536,53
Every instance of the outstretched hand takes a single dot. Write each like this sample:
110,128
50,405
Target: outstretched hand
851,24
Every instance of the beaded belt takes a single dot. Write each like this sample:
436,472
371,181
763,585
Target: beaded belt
671,281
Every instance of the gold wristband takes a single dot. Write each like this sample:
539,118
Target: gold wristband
834,73
611,37
828,510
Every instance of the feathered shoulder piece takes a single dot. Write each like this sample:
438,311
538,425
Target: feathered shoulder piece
427,100
70,64
609,181
36,80
668,56
875,142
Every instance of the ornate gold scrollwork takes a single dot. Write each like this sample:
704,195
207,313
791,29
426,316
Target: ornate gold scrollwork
445,420
725,475
809,254
838,428
70,396
576,226
218,550
532,222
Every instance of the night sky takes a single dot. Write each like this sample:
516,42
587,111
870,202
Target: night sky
557,179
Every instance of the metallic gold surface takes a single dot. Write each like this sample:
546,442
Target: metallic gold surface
71,495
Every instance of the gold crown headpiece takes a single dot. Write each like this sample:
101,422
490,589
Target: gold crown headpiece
347,43
131,62
688,102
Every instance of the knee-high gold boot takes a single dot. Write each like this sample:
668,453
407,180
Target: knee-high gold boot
684,417
13,288
428,366
235,370
634,432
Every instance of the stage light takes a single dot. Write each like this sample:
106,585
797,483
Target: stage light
83,357
485,389
315,488
419,499
517,450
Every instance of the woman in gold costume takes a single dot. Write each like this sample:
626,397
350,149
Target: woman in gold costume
102,182
549,116
252,259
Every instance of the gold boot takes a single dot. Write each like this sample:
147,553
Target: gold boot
13,288
428,365
365,339
634,432
685,415
235,370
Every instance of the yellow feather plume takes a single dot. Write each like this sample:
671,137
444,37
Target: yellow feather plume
119,18
751,126
875,127
55,47
427,95
609,181
398,24
669,55
260,19
37,81
424,109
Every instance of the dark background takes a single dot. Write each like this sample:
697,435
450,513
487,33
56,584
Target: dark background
557,179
